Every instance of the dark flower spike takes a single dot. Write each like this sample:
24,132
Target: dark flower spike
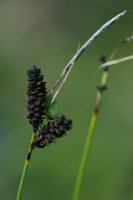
54,129
37,96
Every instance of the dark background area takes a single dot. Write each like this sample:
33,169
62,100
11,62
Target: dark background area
47,33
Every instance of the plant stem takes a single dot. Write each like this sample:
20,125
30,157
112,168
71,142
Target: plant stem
26,164
90,135
92,125
60,82
84,158
117,61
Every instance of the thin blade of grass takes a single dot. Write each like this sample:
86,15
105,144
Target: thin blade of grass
70,64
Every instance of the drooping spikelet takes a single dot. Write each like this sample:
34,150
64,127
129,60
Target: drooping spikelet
54,129
37,96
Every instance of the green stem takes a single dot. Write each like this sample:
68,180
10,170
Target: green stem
84,158
92,126
88,143
26,164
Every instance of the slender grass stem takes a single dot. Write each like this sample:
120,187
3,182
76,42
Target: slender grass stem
115,62
26,164
91,129
92,125
60,82
89,138
84,157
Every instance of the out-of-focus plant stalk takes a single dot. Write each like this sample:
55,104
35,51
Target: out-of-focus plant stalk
91,129
92,125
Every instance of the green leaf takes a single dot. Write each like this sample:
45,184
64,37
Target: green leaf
53,109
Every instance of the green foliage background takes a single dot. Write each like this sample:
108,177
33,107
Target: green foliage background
47,33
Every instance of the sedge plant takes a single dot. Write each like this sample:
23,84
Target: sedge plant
43,113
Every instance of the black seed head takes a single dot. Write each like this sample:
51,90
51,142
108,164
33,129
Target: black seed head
54,129
37,96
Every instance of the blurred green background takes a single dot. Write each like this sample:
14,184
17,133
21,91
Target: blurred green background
47,33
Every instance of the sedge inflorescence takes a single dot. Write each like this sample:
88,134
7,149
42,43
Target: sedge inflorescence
54,129
37,96
37,107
